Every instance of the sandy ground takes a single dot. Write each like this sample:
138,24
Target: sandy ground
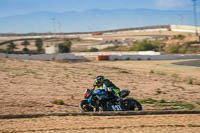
29,87
106,124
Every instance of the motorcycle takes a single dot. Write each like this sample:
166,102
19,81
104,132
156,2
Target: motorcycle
99,100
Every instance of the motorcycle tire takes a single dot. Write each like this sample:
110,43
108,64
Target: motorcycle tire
85,106
132,105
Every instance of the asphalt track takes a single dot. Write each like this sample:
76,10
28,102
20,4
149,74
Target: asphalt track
122,113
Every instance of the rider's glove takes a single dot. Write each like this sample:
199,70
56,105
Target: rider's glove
94,85
109,89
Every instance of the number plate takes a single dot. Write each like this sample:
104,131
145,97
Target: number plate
116,107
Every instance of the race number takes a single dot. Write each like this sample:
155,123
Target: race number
116,107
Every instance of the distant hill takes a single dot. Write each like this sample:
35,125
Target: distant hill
92,20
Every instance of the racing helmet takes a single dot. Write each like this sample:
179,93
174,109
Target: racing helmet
99,81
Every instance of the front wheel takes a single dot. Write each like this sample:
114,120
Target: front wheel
85,106
132,105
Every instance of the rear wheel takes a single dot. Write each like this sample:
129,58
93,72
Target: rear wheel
132,105
85,106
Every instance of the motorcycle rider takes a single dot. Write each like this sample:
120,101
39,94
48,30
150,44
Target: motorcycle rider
102,83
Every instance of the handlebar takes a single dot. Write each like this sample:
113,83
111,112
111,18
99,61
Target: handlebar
93,87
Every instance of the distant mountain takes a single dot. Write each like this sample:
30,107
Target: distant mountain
92,20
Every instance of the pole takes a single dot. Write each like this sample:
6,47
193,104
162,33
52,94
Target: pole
195,19
54,26
180,19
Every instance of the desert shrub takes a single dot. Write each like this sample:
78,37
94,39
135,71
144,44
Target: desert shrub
8,131
93,50
176,105
147,101
198,103
152,71
65,47
190,81
180,37
10,47
145,45
58,102
188,48
185,48
168,104
191,50
158,91
162,101
172,49
124,71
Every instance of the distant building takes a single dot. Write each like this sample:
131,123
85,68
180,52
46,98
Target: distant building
97,33
51,50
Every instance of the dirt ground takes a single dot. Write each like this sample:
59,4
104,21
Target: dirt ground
29,87
106,124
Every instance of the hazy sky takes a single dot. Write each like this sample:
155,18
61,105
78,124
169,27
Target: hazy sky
14,7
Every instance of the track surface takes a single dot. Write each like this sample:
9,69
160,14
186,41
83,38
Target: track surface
120,113
174,123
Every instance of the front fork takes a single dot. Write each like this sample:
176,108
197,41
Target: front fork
94,104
